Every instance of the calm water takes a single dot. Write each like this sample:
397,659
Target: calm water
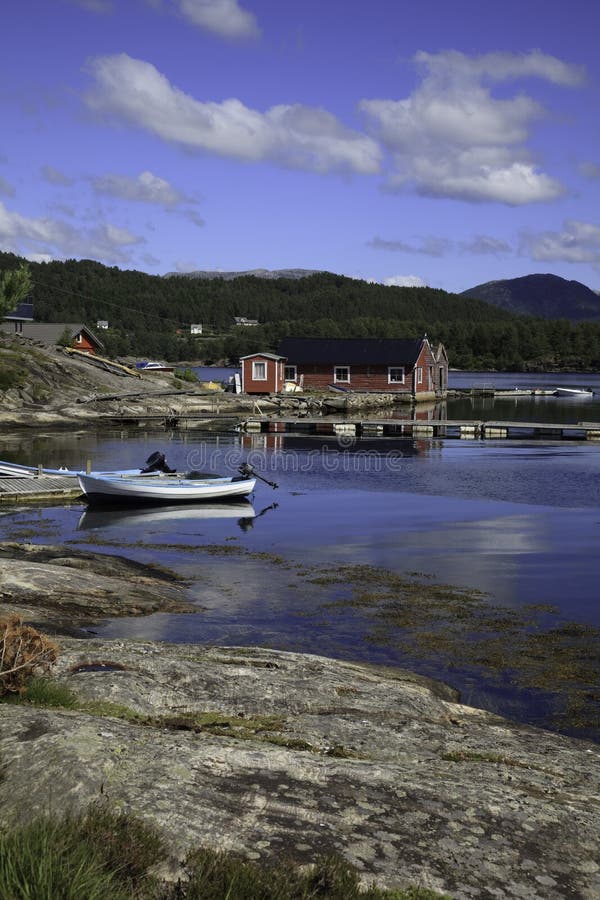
519,520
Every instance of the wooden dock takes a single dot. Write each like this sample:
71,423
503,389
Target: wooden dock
38,487
421,428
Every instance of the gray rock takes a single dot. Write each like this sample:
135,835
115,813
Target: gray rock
295,755
68,587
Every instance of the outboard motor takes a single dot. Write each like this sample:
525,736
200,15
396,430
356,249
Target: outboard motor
156,462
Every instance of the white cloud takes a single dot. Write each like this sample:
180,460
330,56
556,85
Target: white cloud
192,216
226,18
578,242
55,238
223,17
39,257
502,66
97,6
6,188
186,265
590,170
452,138
483,244
404,281
293,136
54,176
145,188
428,246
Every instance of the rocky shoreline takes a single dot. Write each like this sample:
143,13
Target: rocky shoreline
274,754
266,753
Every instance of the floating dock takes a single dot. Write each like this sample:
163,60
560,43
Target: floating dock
38,487
442,428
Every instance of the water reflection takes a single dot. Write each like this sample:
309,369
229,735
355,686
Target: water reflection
148,516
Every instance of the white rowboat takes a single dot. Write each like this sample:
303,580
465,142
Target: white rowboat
162,488
20,471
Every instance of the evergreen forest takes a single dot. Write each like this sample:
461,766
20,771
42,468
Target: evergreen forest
149,316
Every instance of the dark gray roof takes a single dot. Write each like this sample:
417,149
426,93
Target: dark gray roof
350,351
52,332
24,312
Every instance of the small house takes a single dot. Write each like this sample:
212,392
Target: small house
262,373
196,329
382,365
13,321
79,336
242,320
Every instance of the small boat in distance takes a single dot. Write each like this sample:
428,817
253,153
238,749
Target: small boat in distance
583,393
145,366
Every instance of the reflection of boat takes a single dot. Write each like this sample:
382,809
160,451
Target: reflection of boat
583,393
147,516
163,488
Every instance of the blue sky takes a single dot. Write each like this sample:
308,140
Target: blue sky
440,143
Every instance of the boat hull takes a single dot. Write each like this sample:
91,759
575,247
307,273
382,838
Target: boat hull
573,392
162,489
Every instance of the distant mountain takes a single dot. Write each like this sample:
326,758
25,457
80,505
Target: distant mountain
546,296
257,273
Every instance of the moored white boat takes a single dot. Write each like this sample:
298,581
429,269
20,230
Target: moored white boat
21,471
573,392
163,488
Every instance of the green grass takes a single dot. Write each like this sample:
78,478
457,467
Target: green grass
47,860
107,855
220,876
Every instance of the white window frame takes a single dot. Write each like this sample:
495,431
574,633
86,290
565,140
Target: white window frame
288,370
396,380
79,338
419,374
256,363
337,380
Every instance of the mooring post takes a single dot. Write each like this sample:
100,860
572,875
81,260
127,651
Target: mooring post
88,467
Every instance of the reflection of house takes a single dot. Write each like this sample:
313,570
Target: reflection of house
242,320
262,373
79,336
383,365
23,313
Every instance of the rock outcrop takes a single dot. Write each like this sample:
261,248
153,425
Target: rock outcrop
280,754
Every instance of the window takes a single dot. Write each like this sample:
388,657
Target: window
341,373
259,371
396,375
419,375
290,373
79,338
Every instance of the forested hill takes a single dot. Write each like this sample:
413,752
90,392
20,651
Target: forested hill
151,315
89,290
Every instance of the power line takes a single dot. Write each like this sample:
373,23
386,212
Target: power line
103,302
